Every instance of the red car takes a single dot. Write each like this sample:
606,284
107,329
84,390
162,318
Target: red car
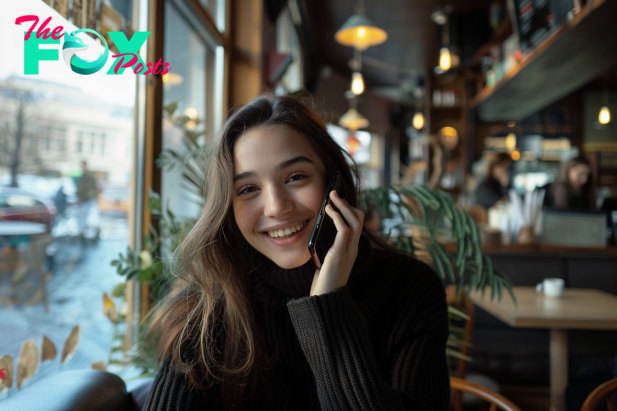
20,205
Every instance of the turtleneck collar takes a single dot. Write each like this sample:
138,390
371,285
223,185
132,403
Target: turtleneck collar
274,285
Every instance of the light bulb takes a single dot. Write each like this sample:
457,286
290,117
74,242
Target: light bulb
445,60
357,84
361,32
605,115
418,121
511,141
516,155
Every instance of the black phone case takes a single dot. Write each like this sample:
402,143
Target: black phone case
324,230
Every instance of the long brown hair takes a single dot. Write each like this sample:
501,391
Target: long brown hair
205,325
564,172
586,191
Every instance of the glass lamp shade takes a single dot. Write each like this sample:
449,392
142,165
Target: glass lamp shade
353,144
360,32
605,115
357,83
511,141
418,121
353,120
445,60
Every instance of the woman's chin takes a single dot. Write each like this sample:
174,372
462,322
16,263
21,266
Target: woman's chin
288,262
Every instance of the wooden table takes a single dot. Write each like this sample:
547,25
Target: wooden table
579,308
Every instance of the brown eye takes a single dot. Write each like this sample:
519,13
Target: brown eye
246,190
297,177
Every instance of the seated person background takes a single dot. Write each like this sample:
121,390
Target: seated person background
574,186
497,181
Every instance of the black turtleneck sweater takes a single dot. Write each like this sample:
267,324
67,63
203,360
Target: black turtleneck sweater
376,344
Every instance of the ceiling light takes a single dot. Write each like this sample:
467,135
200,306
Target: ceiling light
418,120
353,120
445,60
511,141
448,137
172,79
357,84
605,115
353,144
360,32
439,17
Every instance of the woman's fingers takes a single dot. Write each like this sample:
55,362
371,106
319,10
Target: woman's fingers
340,241
354,217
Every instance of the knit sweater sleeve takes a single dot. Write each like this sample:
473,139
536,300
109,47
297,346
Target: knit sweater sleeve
334,337
171,391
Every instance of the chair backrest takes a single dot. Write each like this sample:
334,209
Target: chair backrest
497,401
464,304
603,391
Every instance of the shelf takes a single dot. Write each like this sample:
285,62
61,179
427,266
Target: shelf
571,56
499,36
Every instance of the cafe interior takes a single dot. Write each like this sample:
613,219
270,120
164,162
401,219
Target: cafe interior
481,128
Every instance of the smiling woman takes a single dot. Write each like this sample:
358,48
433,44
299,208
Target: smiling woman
253,324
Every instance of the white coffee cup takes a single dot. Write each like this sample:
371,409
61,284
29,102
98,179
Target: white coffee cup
551,287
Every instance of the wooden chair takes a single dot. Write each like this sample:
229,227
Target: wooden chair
604,391
496,400
464,304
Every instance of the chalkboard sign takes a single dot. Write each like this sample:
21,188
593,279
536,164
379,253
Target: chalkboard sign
535,19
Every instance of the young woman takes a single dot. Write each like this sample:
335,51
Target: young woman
497,181
251,324
573,188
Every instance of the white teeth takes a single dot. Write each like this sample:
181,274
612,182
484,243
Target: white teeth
286,231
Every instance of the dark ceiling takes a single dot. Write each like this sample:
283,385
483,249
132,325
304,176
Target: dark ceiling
412,36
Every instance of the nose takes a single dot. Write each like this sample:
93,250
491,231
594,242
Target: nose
278,202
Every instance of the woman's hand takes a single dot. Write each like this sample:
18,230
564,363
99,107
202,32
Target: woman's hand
337,265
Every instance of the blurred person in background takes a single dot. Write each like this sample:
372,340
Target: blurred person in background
574,187
87,191
497,181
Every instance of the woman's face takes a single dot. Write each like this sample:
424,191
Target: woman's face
278,189
578,175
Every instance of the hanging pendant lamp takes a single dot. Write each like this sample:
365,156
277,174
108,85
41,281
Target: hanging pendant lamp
353,120
360,32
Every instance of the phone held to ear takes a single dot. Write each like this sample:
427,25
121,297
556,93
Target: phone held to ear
324,230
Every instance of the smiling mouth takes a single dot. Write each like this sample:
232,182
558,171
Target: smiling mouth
287,232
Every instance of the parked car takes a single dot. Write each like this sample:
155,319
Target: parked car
21,205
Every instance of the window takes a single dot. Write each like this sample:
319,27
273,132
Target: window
92,142
69,120
192,88
216,9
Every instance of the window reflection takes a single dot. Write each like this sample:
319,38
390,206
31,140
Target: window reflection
216,9
58,234
190,89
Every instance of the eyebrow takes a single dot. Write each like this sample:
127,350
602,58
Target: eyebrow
279,167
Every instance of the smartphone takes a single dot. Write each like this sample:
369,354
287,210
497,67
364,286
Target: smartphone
324,230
